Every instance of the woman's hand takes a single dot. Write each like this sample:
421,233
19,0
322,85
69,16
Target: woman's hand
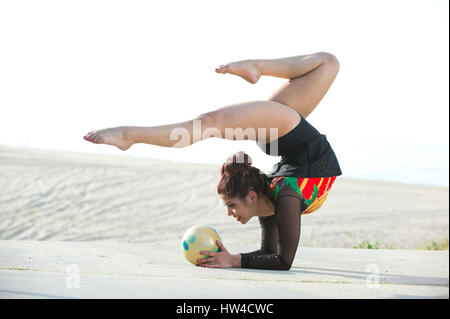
221,259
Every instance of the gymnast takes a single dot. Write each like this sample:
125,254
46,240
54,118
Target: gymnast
297,185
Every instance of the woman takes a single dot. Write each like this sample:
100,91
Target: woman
298,184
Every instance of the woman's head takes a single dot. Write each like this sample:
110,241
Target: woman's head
240,186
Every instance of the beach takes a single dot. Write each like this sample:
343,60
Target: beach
68,196
59,199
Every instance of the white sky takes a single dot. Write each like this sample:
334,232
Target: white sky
68,67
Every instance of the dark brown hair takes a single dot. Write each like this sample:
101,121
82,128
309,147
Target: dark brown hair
238,177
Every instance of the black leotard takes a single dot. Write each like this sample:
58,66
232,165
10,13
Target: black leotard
305,153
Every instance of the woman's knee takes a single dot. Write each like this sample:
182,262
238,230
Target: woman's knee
211,119
331,61
210,124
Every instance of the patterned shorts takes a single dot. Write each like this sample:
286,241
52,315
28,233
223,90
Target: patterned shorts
313,189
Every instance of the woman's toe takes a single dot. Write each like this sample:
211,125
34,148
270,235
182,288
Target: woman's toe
222,68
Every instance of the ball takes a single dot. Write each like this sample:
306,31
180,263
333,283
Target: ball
197,239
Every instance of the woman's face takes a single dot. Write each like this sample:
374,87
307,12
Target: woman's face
241,209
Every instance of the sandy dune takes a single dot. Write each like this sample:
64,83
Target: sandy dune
65,196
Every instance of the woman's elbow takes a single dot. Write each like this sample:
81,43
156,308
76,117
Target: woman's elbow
285,265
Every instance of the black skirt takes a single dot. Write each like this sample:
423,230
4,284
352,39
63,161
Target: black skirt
304,153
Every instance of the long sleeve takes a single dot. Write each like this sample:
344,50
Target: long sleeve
269,237
280,234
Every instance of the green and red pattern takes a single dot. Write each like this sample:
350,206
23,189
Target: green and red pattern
313,189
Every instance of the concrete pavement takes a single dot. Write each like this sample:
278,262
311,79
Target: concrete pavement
57,269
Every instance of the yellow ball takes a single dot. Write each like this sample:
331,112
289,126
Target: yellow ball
196,239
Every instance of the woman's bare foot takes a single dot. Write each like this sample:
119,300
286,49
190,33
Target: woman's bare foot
246,69
117,136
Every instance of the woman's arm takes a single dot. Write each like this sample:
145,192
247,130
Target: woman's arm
269,245
280,236
269,237
287,222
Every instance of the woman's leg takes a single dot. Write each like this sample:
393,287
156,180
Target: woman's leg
262,121
310,77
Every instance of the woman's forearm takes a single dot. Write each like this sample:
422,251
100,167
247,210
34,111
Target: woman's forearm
269,261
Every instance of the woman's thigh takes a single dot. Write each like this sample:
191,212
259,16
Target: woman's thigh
304,93
252,120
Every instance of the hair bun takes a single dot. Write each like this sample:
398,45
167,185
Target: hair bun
240,158
237,164
238,177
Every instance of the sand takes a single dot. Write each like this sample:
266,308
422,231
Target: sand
119,221
68,196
